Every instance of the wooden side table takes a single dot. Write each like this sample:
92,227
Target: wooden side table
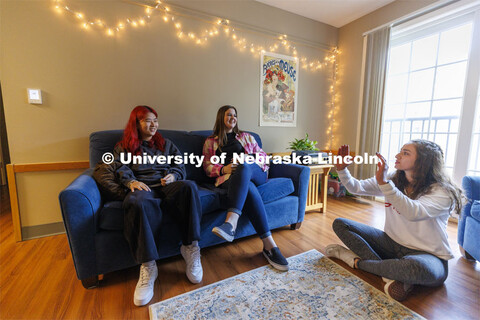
317,197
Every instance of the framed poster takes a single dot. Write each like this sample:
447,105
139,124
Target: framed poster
278,90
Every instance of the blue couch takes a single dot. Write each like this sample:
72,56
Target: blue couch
94,226
469,223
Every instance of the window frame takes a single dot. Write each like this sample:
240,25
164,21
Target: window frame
433,23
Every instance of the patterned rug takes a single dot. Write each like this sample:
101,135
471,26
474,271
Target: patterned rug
313,288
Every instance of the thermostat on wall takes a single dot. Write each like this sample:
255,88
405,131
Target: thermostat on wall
34,96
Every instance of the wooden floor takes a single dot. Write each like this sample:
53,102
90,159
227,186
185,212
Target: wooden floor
38,281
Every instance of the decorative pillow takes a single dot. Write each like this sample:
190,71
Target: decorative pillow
108,183
275,189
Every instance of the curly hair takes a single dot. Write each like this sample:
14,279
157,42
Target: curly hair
428,170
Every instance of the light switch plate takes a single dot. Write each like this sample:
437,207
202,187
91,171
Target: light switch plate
34,96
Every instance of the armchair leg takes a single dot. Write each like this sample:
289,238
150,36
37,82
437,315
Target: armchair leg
295,226
465,254
91,282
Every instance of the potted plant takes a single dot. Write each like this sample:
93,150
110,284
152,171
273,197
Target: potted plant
304,144
305,148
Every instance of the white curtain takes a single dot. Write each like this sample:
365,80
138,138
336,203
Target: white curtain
376,58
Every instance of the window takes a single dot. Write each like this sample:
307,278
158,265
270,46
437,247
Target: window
427,95
474,161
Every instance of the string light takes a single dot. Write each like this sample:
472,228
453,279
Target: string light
229,32
332,103
168,16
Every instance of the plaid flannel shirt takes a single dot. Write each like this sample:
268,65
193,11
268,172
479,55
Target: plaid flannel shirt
210,147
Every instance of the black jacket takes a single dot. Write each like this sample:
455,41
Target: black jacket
150,174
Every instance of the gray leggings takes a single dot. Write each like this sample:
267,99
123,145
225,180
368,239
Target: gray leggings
384,257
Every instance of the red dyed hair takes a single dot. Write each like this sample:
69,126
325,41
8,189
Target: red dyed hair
131,135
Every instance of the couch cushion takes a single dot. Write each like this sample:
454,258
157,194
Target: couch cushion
207,133
189,143
101,142
275,188
475,211
111,215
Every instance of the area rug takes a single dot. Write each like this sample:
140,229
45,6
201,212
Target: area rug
313,288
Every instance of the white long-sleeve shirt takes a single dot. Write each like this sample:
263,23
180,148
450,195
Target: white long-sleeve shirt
419,224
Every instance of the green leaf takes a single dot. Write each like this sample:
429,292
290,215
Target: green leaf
303,144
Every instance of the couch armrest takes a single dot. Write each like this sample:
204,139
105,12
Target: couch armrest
471,187
80,202
300,176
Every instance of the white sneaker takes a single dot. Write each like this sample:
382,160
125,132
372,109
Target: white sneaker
342,253
191,254
144,289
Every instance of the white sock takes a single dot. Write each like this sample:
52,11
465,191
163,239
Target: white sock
191,245
149,263
342,253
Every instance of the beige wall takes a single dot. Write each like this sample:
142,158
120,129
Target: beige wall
90,82
350,42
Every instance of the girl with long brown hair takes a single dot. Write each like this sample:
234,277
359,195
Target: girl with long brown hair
240,181
413,249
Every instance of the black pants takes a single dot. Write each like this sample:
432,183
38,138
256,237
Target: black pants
143,216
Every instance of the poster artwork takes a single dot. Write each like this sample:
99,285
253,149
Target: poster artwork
278,90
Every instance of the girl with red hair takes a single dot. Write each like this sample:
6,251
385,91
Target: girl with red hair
156,189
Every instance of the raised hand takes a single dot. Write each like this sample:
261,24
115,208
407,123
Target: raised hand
382,170
343,151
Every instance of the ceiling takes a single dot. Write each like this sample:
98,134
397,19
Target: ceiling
333,12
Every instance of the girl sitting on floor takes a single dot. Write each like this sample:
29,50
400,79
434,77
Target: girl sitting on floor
413,249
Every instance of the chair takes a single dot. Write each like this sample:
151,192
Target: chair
469,223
